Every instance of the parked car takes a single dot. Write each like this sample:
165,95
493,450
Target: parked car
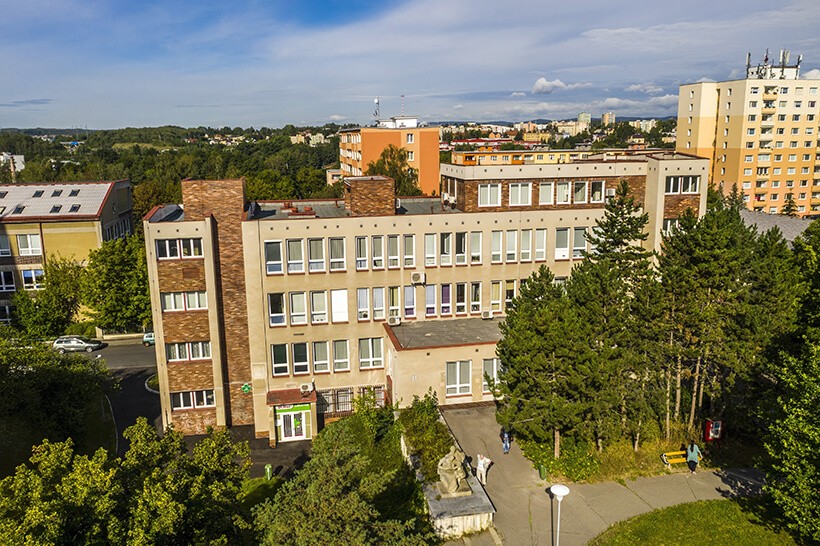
148,339
66,344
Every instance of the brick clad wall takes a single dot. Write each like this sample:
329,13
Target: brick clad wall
181,275
223,200
190,376
637,187
194,421
185,326
21,260
675,205
370,197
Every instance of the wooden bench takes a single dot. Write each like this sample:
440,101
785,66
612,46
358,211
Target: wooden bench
671,457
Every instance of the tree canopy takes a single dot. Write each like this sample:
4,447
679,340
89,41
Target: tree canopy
393,163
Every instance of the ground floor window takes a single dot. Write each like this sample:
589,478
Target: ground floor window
193,399
491,367
458,377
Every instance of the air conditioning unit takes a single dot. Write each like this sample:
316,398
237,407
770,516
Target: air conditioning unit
487,315
418,277
306,388
609,192
394,321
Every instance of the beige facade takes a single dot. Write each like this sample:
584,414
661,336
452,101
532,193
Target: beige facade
760,134
342,300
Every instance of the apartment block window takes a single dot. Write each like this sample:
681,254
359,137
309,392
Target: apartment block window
411,155
562,193
296,258
5,246
446,248
792,157
316,255
29,245
6,281
754,90
475,297
461,298
580,193
298,308
475,247
411,138
540,245
526,245
495,296
520,194
409,301
341,358
497,237
511,251
781,117
377,251
461,248
489,195
747,172
183,301
193,399
273,257
430,300
579,242
509,293
409,251
392,251
749,131
336,246
378,303
318,307
279,359
301,365
491,369
562,244
196,350
682,184
370,353
393,304
458,377
752,117
752,104
545,191
361,253
338,305
795,117
446,299
430,249
321,360
276,309
596,194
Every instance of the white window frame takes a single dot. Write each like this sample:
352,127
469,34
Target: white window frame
561,252
297,300
337,253
377,252
511,246
496,250
525,252
362,259
316,262
461,303
318,307
393,301
300,367
475,247
280,365
409,301
29,244
475,297
520,194
489,195
460,242
597,196
575,185
341,362
409,250
370,359
446,299
563,189
363,304
393,253
446,248
277,319
495,296
458,377
274,267
338,305
494,367
579,242
379,303
546,192
430,300
7,281
296,264
321,363
430,256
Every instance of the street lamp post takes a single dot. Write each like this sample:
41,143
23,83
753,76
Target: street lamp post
559,492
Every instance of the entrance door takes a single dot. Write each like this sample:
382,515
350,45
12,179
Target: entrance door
293,426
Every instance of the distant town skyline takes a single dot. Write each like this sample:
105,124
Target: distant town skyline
110,63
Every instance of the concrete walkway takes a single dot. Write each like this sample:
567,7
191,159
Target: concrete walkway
526,513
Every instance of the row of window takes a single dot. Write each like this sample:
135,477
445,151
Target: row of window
32,280
183,301
27,245
168,249
193,399
117,230
341,400
325,356
549,193
459,376
192,350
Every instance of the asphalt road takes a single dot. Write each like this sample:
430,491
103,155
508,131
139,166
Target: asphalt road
132,364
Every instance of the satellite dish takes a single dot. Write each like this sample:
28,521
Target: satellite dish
376,100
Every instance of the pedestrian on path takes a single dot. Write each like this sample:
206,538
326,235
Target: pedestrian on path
481,468
693,455
505,440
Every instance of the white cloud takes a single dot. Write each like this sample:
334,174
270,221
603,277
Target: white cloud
458,107
705,80
517,94
337,117
648,88
542,86
813,74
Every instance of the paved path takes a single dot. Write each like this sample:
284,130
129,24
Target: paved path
525,513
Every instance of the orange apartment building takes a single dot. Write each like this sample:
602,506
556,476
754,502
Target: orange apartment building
362,145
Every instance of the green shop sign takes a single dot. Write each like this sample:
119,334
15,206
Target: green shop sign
292,408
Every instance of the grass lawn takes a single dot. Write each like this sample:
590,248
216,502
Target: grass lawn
752,521
256,490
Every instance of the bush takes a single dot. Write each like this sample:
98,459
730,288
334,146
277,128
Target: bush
426,436
578,461
85,328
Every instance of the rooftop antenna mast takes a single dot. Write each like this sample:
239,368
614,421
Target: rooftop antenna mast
377,113
402,105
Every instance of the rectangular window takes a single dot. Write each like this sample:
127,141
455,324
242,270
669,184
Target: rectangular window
276,309
273,257
409,251
562,193
495,296
526,245
378,303
461,248
196,300
393,304
300,358
461,298
489,195
673,184
204,398
430,249
579,242
363,303
5,246
545,190
6,281
182,400
446,299
491,367
279,359
409,301
540,245
458,377
200,350
410,138
176,351
318,307
475,247
596,193
341,360
181,301
511,250
361,253
475,297
298,308
336,247
580,193
497,238
446,248
338,305
296,258
29,245
377,251
689,184
430,300
167,249
509,293
562,244
520,194
321,361
392,251
370,353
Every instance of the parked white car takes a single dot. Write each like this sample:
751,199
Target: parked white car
67,344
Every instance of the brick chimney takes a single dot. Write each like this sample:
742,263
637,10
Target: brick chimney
370,195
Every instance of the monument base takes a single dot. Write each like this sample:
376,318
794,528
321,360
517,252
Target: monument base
462,491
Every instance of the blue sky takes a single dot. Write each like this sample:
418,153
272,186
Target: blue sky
111,63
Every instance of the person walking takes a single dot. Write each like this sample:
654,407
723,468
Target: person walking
693,456
481,468
505,440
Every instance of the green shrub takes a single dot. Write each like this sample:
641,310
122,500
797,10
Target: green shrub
85,328
578,461
426,436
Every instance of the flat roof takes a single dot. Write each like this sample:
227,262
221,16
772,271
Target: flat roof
789,227
427,334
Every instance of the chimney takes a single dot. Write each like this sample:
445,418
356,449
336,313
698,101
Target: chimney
370,195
